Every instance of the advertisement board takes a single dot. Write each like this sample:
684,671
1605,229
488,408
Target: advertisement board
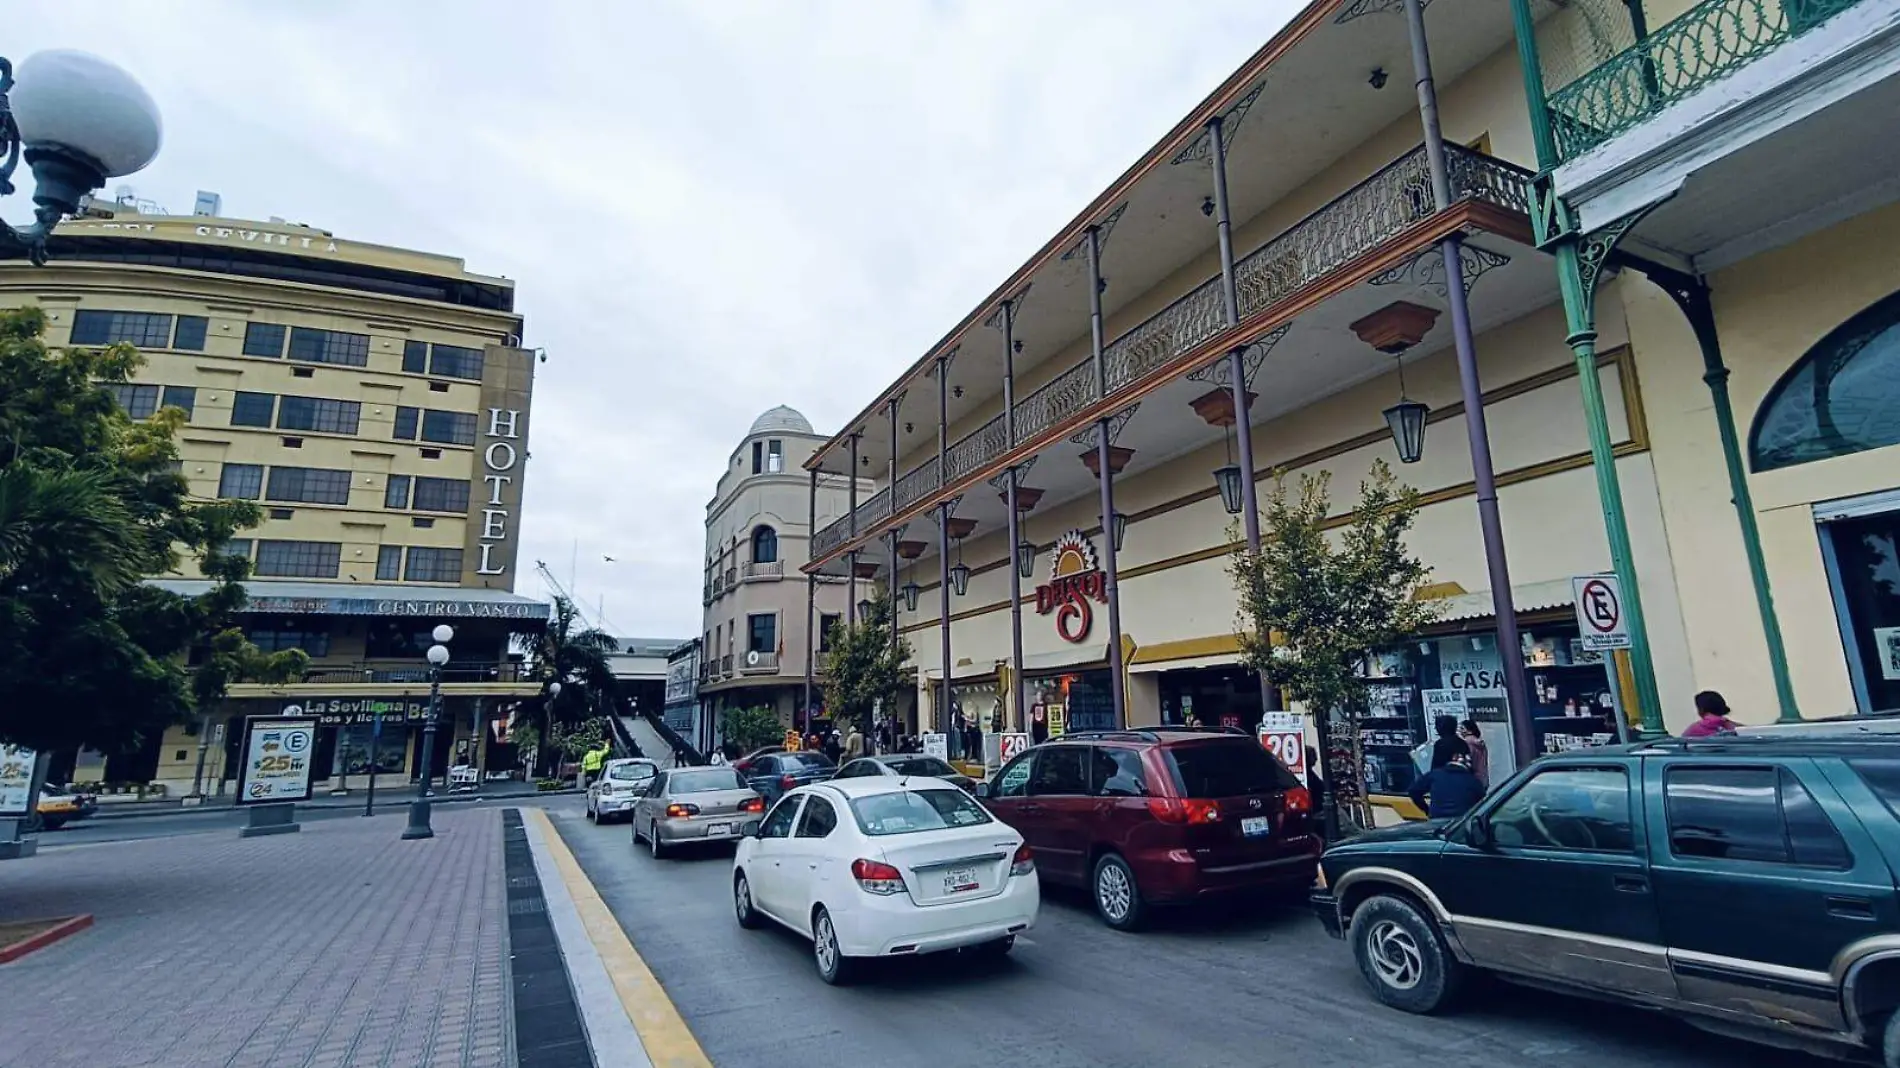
16,780
1284,735
276,762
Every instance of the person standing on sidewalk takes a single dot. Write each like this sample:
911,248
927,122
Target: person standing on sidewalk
1711,717
1480,754
1451,789
854,744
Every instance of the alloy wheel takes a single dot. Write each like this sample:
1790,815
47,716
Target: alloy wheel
1395,955
824,944
1113,892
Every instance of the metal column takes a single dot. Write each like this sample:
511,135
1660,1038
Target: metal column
1237,365
1111,584
943,539
1557,233
1015,523
1477,434
811,600
851,559
890,494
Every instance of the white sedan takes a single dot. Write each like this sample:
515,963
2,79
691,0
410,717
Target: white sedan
885,867
620,783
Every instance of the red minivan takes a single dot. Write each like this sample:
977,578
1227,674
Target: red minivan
1151,817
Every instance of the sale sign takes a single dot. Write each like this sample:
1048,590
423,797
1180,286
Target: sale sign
1284,735
277,760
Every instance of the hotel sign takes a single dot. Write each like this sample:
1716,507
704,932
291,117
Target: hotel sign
1074,579
351,606
494,515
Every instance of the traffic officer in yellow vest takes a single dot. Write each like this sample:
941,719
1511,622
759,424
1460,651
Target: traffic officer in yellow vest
591,763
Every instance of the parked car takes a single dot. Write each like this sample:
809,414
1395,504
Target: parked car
774,774
58,806
1743,883
906,764
880,866
745,762
679,805
1152,817
619,785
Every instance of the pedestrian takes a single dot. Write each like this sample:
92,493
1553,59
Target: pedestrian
1449,790
1711,716
791,742
854,744
1480,754
1448,744
1315,784
591,763
719,758
834,746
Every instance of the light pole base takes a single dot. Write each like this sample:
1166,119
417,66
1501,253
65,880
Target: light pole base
418,821
270,819
191,801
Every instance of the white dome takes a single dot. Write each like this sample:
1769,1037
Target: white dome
780,418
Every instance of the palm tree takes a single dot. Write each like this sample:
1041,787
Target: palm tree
575,655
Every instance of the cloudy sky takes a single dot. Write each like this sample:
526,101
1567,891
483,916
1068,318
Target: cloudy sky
710,206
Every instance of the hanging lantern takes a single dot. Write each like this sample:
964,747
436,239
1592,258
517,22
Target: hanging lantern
1228,479
864,609
1025,558
911,590
1118,528
960,578
1407,420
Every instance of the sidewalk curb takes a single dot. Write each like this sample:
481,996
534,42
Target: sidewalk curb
13,951
173,809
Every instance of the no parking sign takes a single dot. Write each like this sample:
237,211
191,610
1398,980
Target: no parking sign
1600,618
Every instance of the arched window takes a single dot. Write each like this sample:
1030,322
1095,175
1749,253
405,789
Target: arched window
764,545
1841,397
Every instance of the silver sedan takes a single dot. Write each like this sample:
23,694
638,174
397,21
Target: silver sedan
710,804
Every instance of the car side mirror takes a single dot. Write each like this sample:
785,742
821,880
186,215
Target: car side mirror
1478,833
981,789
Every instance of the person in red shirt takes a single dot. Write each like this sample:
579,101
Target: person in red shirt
1711,716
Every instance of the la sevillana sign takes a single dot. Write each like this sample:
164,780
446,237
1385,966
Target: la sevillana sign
1075,578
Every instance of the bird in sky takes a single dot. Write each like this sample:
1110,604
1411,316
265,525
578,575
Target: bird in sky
609,559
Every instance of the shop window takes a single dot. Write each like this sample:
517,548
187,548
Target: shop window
1762,814
764,545
1574,809
1842,396
1861,551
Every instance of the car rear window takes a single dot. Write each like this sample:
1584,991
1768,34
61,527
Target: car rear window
911,811
630,772
1882,776
1227,769
921,766
704,780
793,762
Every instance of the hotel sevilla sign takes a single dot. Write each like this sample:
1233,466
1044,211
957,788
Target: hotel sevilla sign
1074,580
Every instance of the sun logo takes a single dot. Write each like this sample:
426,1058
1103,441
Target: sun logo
1073,556
1074,579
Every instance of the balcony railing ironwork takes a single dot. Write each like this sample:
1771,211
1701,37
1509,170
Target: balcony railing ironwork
769,569
406,671
1351,225
725,664
1708,42
759,663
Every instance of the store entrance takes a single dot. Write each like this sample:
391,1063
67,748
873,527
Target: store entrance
1211,697
1862,553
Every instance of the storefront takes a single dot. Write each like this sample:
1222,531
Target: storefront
1226,695
1067,701
1860,545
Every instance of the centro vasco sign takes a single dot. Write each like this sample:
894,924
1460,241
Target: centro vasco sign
1074,579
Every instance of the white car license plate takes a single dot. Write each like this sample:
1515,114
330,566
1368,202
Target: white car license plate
718,828
957,880
1253,826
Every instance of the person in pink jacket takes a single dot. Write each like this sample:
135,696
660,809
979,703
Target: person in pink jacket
1712,716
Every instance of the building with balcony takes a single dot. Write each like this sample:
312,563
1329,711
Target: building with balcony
376,403
1312,272
1720,177
759,608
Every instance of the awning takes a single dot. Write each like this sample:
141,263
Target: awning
1185,664
363,599
1525,597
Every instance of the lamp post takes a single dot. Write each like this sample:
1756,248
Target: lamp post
419,808
78,120
547,720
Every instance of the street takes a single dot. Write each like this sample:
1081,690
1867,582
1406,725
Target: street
1215,990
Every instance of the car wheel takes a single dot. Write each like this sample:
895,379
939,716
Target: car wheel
1402,956
833,966
653,841
742,902
1117,898
591,814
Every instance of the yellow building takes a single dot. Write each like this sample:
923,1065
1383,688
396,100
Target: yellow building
375,402
1332,309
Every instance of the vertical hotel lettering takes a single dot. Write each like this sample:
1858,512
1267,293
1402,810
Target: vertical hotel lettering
499,458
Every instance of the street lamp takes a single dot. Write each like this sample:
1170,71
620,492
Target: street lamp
1228,479
911,590
864,608
1406,419
1025,558
419,808
1118,530
78,120
960,578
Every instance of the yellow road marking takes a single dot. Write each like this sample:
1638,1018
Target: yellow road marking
668,1041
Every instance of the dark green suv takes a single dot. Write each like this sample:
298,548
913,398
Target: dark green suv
1746,884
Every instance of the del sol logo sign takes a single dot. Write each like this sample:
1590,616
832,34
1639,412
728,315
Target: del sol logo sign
1075,578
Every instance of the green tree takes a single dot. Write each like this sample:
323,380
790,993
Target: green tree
751,728
575,655
862,667
90,502
1315,603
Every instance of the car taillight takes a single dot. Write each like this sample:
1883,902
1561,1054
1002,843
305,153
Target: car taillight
787,782
680,812
1024,862
1189,811
877,877
1298,800
752,804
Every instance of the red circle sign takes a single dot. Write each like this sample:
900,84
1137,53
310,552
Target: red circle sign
1600,608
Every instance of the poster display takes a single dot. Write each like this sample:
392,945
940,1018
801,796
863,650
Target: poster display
936,745
277,765
1012,746
16,780
1284,735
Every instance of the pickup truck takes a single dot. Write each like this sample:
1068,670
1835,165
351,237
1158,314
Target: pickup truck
1744,884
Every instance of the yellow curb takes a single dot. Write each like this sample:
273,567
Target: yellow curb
669,1042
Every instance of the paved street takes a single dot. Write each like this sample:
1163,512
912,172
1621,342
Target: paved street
225,819
1215,991
340,945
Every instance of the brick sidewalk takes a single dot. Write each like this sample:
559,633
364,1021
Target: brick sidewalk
340,945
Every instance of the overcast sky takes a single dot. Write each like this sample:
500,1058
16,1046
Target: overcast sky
709,207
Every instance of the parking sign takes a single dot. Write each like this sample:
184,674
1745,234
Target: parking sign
1600,618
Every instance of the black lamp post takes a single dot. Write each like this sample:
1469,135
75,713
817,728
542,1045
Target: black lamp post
419,808
78,120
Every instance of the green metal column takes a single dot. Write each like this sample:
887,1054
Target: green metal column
1557,233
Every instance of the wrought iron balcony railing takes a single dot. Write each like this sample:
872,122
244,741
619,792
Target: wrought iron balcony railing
759,663
1354,223
770,569
1708,42
725,664
409,671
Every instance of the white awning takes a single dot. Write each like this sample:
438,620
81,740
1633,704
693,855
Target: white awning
1526,597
